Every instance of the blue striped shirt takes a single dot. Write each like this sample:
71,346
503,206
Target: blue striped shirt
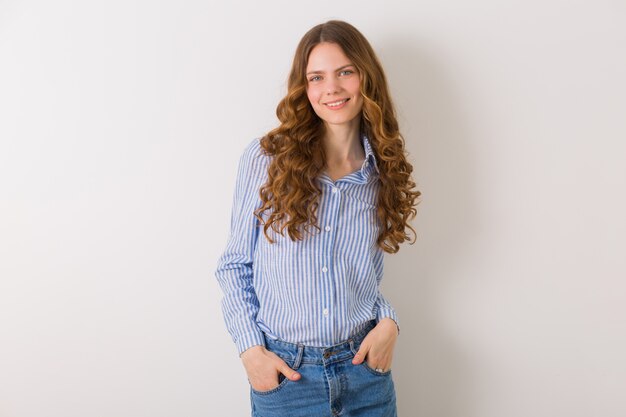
317,291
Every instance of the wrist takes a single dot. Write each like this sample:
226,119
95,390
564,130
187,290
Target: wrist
389,323
251,351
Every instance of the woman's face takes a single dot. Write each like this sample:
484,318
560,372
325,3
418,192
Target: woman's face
333,85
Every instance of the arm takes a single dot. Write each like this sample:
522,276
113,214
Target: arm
378,346
234,269
385,310
235,276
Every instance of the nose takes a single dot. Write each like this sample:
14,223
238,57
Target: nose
332,86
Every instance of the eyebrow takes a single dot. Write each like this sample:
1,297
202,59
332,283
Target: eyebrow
338,69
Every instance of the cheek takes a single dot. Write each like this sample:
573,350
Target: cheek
312,95
359,100
355,87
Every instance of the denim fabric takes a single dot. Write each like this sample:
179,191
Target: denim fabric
330,384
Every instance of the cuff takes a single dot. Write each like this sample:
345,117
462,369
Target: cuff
384,312
246,341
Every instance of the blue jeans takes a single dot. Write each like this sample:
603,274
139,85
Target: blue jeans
330,384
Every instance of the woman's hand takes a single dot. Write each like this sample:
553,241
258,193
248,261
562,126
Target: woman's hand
377,347
263,368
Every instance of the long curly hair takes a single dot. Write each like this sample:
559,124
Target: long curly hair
291,194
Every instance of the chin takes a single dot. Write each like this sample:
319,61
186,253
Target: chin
339,120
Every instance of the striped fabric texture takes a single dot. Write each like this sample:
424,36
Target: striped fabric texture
317,291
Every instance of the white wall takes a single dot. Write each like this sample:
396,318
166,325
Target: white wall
121,123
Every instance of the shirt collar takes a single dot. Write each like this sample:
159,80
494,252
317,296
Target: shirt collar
370,158
368,168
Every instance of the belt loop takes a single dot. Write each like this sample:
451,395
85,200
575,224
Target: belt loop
299,355
352,346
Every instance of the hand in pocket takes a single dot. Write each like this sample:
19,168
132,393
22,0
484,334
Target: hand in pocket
264,367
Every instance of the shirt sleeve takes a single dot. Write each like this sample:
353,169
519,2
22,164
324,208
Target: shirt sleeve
385,310
234,272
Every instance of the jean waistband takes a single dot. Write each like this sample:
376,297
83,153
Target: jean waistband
300,353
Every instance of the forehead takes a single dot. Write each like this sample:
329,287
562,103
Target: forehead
327,56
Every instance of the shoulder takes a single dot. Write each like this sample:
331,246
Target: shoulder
254,154
254,162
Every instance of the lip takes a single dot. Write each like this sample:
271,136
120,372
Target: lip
345,101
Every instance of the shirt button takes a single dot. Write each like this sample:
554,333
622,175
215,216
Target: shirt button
327,228
324,269
325,311
335,190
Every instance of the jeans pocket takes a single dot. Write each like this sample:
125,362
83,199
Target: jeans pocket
374,371
364,364
281,384
282,381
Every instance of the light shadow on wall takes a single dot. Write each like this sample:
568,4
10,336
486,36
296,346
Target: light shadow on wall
433,376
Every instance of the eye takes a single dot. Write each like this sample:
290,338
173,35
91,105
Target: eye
315,78
346,72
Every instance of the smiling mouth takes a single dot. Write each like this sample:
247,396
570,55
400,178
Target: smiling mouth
336,103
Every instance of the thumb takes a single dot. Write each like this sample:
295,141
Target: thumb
288,372
359,357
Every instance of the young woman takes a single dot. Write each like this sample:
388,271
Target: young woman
318,201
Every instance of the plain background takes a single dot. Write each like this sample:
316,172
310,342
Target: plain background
121,124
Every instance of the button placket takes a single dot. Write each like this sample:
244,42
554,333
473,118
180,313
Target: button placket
335,208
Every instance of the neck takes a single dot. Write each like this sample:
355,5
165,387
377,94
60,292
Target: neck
342,143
